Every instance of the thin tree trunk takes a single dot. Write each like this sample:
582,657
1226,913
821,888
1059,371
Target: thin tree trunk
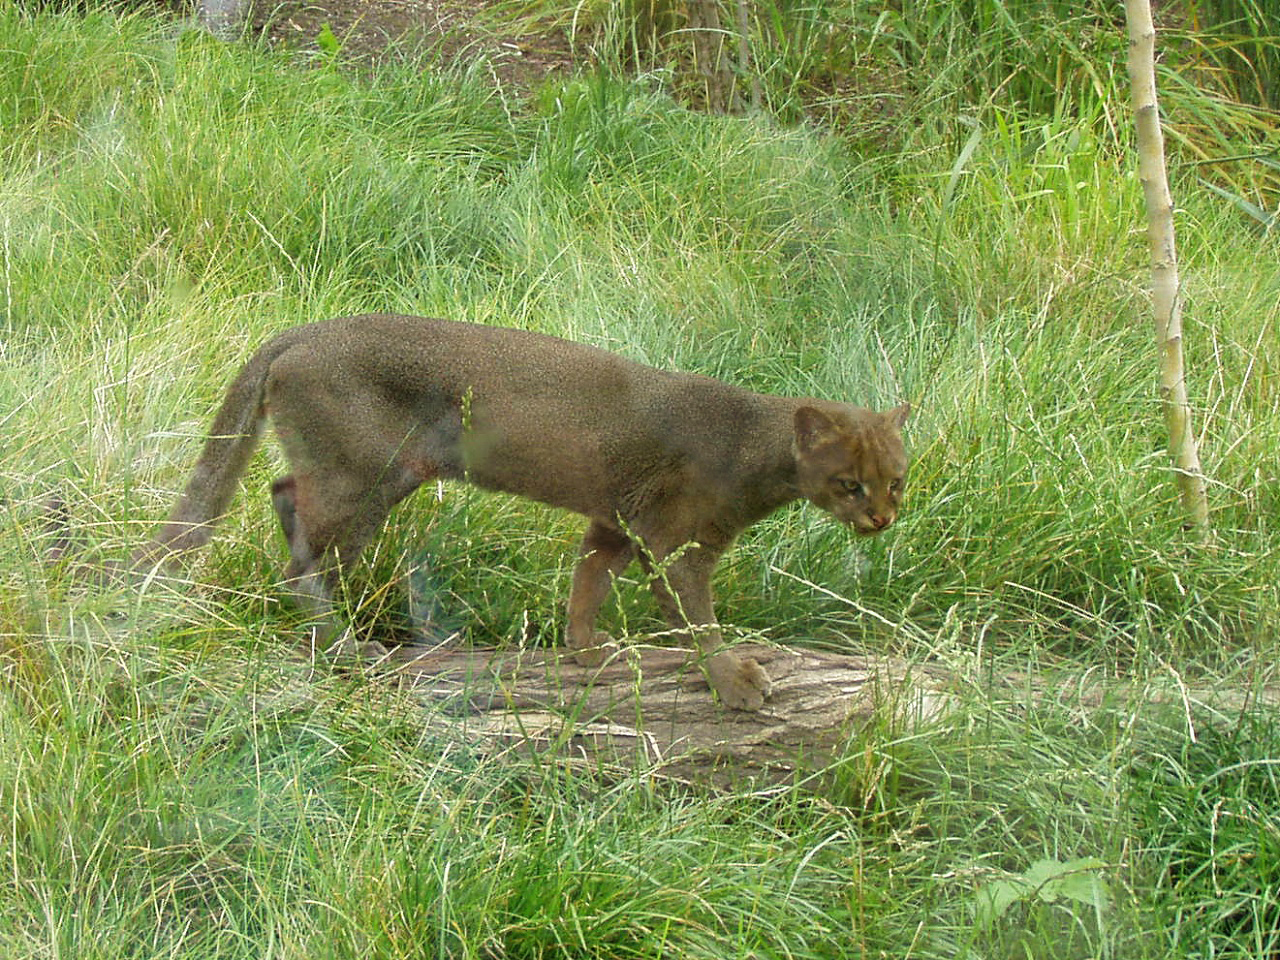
1164,264
744,52
711,56
652,21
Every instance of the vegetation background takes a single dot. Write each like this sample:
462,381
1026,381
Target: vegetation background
928,201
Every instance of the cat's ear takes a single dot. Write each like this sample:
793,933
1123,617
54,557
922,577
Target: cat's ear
814,428
898,415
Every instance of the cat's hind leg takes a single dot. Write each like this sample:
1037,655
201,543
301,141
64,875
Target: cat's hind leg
606,552
327,523
353,457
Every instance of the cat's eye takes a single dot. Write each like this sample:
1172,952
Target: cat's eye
895,486
852,487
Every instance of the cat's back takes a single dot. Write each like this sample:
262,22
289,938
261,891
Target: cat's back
490,362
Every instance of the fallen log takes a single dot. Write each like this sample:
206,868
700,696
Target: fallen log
650,708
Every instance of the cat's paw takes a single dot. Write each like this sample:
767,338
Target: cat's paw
347,649
602,648
741,683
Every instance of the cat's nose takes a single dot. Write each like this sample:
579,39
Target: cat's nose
880,521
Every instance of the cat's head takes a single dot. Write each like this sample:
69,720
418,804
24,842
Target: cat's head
852,463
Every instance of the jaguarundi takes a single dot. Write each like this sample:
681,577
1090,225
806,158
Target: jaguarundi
668,467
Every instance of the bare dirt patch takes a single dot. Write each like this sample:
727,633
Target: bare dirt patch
458,32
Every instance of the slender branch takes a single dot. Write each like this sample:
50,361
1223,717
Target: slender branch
1165,301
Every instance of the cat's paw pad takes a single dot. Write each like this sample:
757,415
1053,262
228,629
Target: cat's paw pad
741,683
602,649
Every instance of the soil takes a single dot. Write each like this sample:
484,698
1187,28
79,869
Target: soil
520,56
445,31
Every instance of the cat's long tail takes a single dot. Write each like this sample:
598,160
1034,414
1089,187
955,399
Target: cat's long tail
232,439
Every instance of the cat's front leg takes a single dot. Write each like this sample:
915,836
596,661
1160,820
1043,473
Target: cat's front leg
683,591
740,682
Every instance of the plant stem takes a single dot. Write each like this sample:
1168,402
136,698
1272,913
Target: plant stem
1164,264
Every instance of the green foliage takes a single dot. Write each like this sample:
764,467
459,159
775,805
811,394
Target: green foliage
1209,810
328,43
1239,39
1074,884
893,76
172,786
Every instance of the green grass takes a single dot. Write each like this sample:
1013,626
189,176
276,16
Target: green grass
173,785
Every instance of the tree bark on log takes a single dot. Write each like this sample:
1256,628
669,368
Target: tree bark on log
651,709
1166,303
650,712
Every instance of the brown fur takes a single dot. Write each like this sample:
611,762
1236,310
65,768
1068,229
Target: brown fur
367,408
